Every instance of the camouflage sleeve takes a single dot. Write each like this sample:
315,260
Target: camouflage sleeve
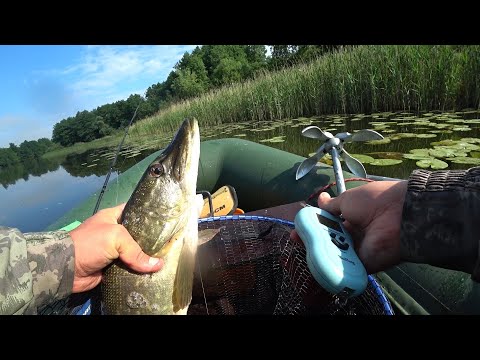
440,223
35,269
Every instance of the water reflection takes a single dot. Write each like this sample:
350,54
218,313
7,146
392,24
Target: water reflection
9,175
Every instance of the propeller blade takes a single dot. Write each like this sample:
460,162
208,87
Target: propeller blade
309,163
344,136
366,135
355,166
315,132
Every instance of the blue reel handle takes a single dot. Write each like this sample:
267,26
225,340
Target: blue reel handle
331,257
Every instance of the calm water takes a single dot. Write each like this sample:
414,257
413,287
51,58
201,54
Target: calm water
33,196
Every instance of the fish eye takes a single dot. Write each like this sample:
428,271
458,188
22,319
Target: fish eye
157,170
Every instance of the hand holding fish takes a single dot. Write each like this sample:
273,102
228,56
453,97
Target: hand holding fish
101,239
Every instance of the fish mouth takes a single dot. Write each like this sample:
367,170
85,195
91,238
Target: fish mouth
179,156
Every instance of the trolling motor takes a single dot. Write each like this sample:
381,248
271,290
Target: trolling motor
331,257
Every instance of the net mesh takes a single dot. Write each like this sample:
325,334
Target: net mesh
251,266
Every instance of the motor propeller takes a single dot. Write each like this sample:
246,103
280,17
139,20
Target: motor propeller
334,145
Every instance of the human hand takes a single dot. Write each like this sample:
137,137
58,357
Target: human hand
372,214
101,239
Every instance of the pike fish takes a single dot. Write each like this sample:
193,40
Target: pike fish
162,216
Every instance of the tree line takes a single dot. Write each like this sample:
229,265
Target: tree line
26,152
205,68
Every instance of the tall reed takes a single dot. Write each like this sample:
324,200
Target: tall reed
362,79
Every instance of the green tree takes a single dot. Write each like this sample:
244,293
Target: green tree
187,85
229,71
8,157
64,132
111,114
194,63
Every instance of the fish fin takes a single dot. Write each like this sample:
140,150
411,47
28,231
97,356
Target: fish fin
182,288
183,285
206,235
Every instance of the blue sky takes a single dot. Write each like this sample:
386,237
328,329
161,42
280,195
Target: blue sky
41,85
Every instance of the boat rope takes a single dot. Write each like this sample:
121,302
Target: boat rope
114,161
326,187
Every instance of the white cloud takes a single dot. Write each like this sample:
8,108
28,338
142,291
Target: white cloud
105,72
109,70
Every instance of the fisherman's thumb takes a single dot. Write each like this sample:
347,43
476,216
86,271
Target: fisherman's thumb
133,256
332,205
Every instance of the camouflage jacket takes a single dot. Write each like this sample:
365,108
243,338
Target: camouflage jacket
35,269
441,219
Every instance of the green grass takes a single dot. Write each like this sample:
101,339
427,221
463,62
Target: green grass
364,79
78,148
108,141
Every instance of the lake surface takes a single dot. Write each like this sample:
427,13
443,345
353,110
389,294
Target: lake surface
33,196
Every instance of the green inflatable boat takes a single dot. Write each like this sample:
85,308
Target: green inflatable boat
264,181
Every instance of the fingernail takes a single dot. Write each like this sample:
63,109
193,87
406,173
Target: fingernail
153,261
323,194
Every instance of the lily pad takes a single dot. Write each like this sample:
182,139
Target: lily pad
363,158
385,162
379,142
276,139
441,131
465,160
379,123
433,163
399,136
327,159
380,127
388,155
422,122
417,156
426,136
466,146
440,126
471,140
424,152
442,152
447,142
132,155
268,128
456,145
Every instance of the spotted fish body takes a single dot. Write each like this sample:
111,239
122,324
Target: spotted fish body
162,216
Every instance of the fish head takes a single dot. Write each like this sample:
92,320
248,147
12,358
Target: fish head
160,205
176,168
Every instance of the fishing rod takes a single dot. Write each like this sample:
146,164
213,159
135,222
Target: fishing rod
114,161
